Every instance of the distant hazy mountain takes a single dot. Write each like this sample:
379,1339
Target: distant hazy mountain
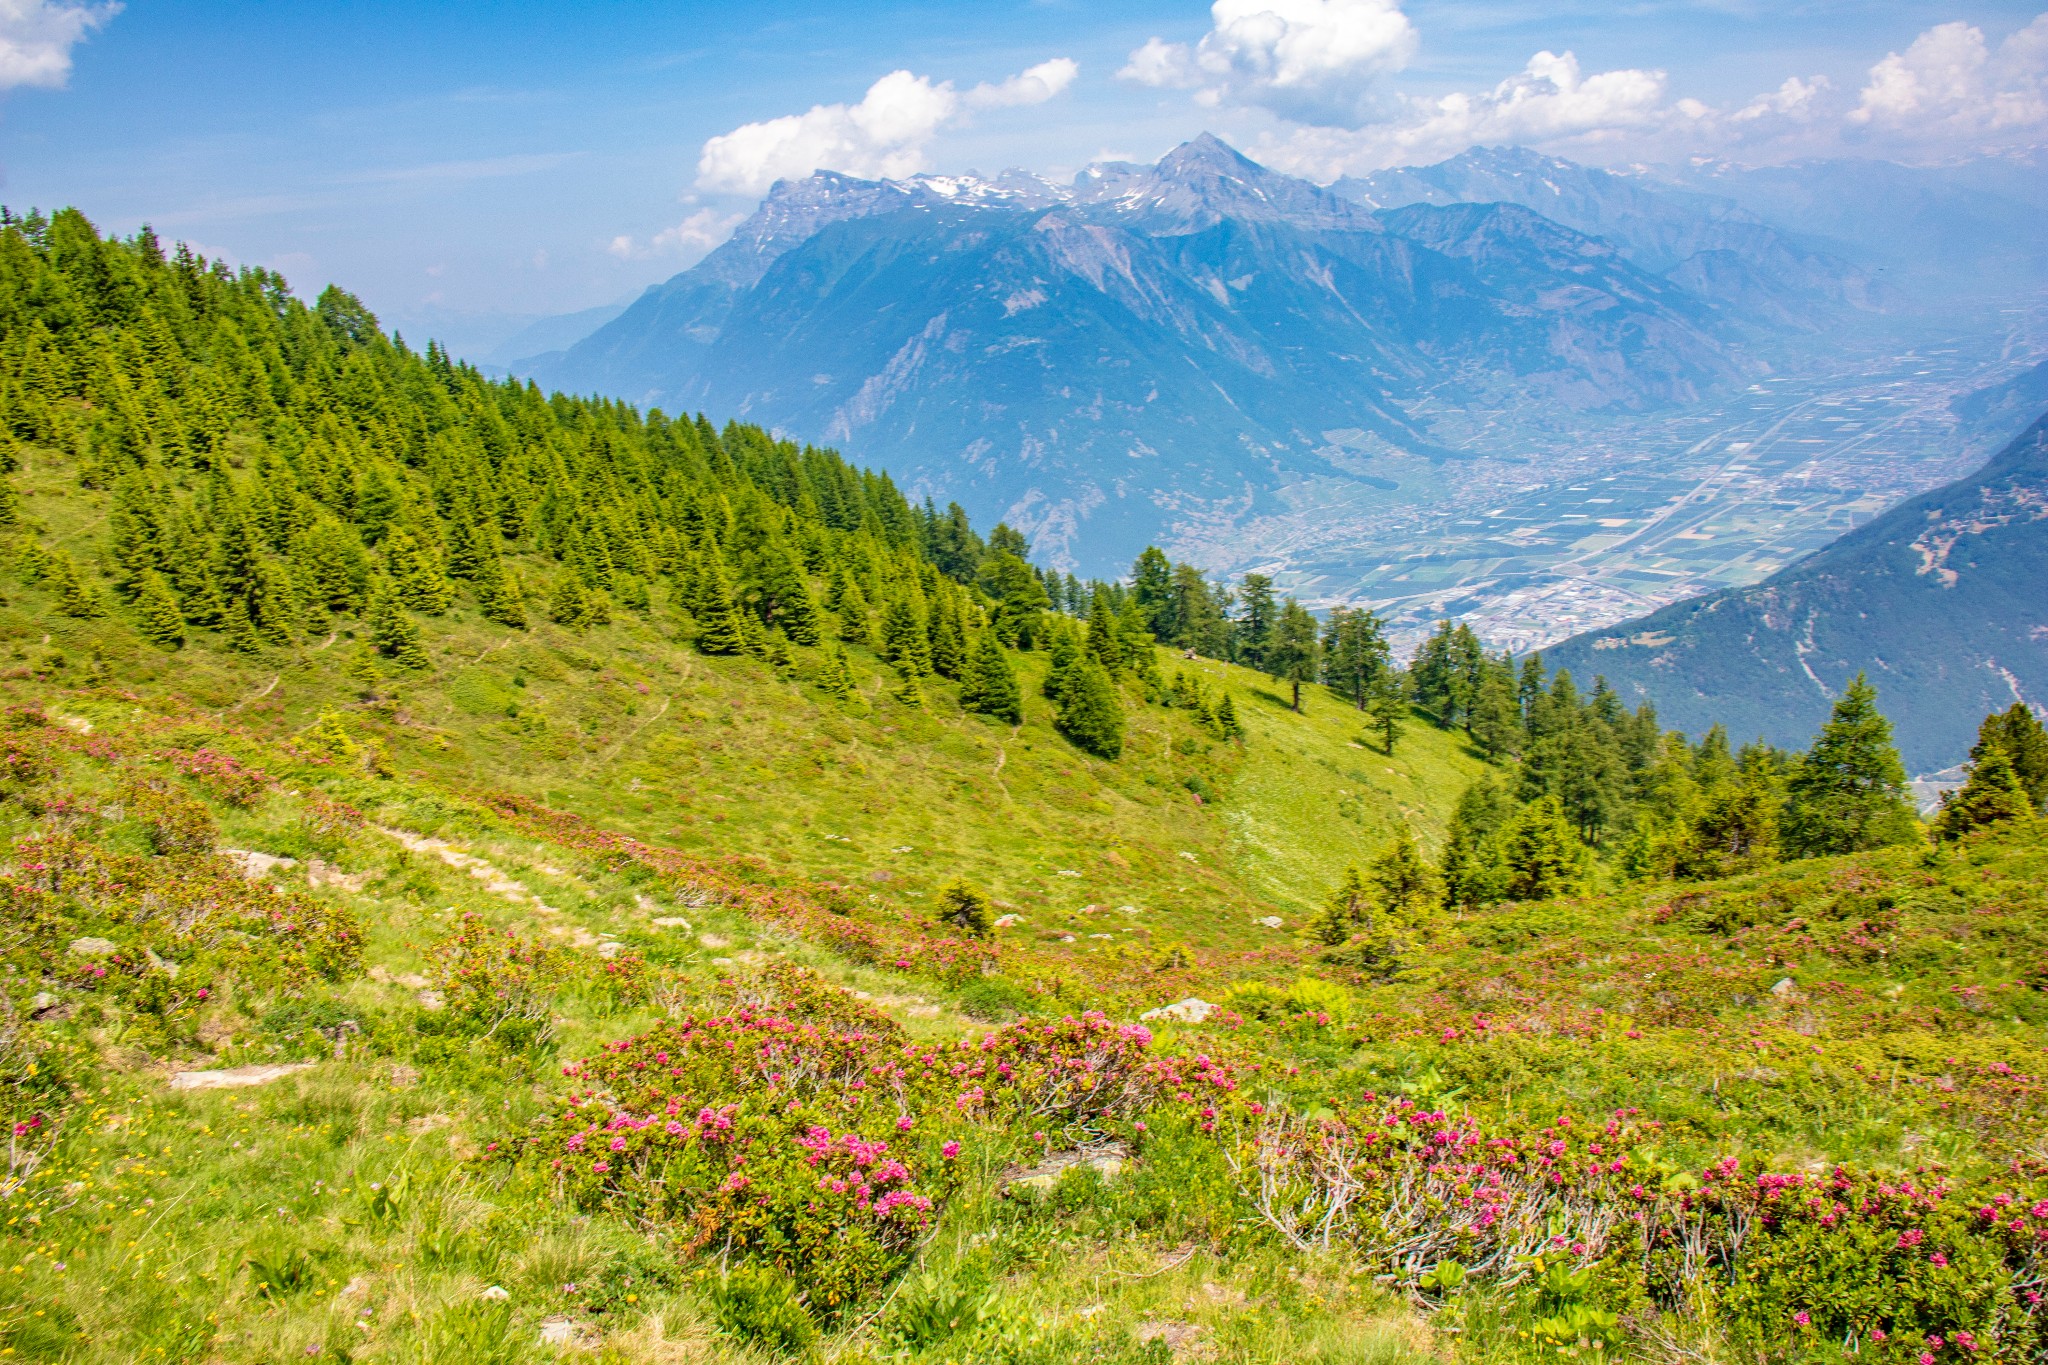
544,336
1943,601
1705,243
1150,345
1969,230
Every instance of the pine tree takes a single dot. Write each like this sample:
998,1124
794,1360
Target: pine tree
1294,652
854,626
1064,662
1496,720
836,677
966,907
158,615
906,691
569,605
360,668
498,595
2019,732
718,620
1344,911
77,596
1254,620
1386,708
392,630
1473,871
1226,719
1404,882
779,658
904,641
1090,715
947,639
1541,852
1735,831
1849,792
990,684
1991,795
416,574
240,628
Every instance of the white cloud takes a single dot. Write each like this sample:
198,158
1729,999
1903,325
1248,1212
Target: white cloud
887,134
36,38
1548,101
1314,61
1950,83
691,238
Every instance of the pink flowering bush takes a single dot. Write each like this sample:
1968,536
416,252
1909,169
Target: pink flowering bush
826,1150
1895,1266
221,776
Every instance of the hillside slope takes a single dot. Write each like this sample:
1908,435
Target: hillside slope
1939,600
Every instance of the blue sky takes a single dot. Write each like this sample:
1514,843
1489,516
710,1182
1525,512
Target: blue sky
464,165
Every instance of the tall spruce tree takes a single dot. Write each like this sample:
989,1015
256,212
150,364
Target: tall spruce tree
1541,854
393,633
1089,713
158,615
2019,732
990,684
1294,654
1849,792
1992,795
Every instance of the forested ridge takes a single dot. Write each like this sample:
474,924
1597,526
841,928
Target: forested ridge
495,874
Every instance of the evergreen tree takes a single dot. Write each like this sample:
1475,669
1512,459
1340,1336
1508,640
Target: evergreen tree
1496,721
906,689
836,678
240,628
1152,592
1256,615
947,638
1991,795
1403,882
789,597
990,686
392,630
1294,653
718,621
2019,732
854,627
1355,653
1474,872
1227,723
1347,908
570,603
1386,708
1542,855
905,642
967,908
1065,662
1735,831
77,596
157,611
1103,645
416,574
498,595
1849,792
1089,713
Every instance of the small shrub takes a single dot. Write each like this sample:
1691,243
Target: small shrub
760,1304
993,999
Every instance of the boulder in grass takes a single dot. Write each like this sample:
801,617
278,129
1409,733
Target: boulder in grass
1192,1010
235,1078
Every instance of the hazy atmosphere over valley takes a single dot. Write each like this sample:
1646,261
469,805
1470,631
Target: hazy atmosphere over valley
1024,682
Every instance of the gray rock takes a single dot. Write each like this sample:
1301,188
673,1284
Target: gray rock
1783,988
496,1292
94,947
235,1078
1192,1010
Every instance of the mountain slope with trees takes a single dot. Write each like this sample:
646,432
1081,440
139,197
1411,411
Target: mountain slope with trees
493,875
1938,600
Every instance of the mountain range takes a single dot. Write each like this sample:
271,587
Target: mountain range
1158,347
1705,243
1940,601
